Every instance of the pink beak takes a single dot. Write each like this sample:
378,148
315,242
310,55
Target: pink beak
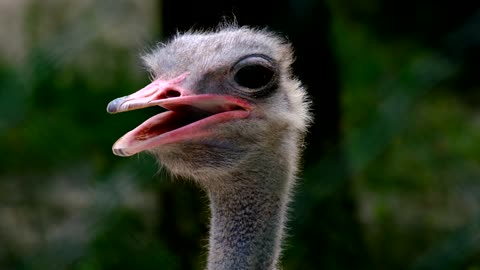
190,116
152,94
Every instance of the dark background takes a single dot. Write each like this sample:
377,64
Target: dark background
391,169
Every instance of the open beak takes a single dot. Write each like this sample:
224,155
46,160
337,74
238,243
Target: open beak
189,116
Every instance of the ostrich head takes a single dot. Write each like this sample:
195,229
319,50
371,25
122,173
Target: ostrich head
231,100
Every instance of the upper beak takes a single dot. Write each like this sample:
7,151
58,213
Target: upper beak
150,95
171,96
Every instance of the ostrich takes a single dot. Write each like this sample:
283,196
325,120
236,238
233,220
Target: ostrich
235,123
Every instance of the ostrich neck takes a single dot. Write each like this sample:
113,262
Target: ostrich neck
248,213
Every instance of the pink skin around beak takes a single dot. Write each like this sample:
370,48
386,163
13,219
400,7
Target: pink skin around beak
190,116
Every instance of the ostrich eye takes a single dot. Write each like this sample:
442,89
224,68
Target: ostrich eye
254,72
253,76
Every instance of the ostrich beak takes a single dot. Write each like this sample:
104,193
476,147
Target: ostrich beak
150,95
189,116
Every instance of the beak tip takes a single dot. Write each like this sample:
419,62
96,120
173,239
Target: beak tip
119,152
112,107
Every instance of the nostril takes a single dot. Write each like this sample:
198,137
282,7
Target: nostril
171,93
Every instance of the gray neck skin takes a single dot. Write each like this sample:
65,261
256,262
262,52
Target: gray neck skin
248,213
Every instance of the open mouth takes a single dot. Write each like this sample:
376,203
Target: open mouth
187,118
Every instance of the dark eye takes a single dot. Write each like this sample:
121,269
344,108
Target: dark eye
254,72
254,76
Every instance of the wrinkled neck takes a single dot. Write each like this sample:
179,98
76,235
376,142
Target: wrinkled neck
247,221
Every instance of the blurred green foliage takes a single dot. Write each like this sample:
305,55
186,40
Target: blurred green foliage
413,146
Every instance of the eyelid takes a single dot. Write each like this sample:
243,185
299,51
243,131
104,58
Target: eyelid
252,57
